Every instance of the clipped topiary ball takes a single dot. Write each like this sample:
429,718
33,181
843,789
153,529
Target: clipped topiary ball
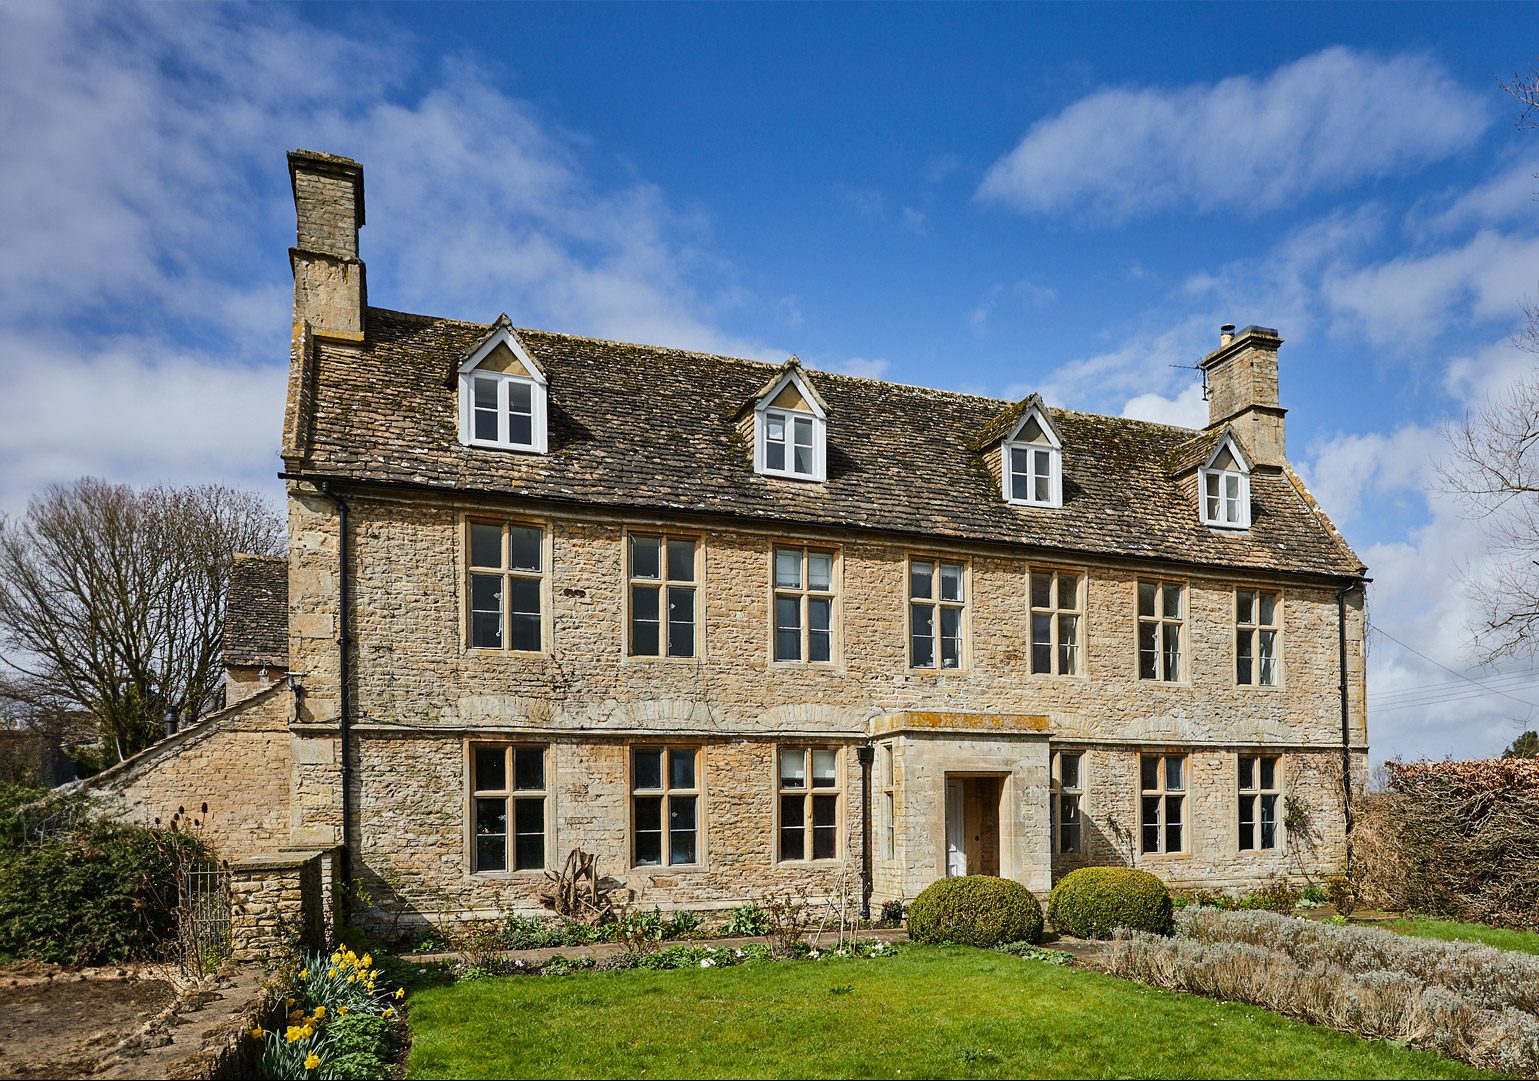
1093,901
978,910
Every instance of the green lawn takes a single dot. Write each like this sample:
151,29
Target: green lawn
1501,938
929,1012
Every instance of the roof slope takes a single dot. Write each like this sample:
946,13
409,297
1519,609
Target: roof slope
256,611
634,425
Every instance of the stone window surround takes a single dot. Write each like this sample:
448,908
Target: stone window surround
1163,791
1279,617
1278,789
1160,620
837,791
468,810
964,659
665,533
889,825
702,817
547,555
835,594
1057,792
1082,610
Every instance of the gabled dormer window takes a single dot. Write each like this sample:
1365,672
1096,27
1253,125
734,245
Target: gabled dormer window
1224,490
502,394
790,430
1032,463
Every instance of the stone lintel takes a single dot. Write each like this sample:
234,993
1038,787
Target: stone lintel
993,724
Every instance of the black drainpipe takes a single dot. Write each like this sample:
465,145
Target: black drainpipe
1346,725
344,697
867,754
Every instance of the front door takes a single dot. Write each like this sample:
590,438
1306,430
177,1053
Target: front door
956,830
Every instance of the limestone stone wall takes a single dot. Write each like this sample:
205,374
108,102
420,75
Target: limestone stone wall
419,694
276,906
227,776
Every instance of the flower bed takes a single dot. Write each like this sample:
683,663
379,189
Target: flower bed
678,956
1454,998
340,1022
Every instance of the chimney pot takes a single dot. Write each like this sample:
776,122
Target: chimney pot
1225,334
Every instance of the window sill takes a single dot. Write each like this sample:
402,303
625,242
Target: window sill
493,651
937,671
1183,685
498,876
1164,855
1263,688
643,658
666,869
1031,503
1060,676
818,864
807,478
517,448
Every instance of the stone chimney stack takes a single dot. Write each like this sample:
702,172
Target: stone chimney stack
1242,391
329,289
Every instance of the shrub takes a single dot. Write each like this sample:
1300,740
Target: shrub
747,920
976,910
1093,901
101,894
1277,894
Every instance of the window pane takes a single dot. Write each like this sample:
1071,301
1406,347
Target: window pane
681,561
491,853
1148,655
775,456
491,771
1268,821
681,768
1172,651
1068,823
1247,772
1242,657
788,568
524,545
1151,824
492,817
485,545
1245,606
802,451
1041,644
1020,473
793,831
521,430
951,637
825,773
681,621
529,834
1068,591
1269,609
486,392
647,768
486,611
1149,772
1042,481
1175,773
775,427
1173,823
1247,822
648,816
1172,598
788,646
1041,590
819,628
793,767
1068,770
644,620
919,577
486,630
644,557
922,635
529,768
820,571
951,581
1268,773
1146,598
788,614
525,614
825,827
1268,670
520,397
1068,645
681,829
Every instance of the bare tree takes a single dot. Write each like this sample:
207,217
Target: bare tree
112,600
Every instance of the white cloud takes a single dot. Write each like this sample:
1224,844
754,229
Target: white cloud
1507,197
1025,294
1187,409
865,367
144,212
1246,143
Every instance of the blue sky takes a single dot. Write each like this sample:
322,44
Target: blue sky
998,199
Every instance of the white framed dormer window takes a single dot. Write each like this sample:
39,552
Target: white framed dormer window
791,431
502,395
1225,488
1032,463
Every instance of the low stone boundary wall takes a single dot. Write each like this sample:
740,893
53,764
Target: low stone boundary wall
281,904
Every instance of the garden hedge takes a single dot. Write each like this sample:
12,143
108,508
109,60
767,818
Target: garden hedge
976,910
1093,901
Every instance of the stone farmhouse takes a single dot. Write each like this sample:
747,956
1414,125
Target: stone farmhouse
735,627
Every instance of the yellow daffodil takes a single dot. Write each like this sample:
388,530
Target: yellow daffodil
400,992
304,973
331,972
294,1034
320,1011
257,1033
389,1012
352,978
368,960
312,1061
341,1010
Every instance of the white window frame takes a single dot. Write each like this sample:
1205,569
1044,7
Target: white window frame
814,413
1220,517
1053,453
538,394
